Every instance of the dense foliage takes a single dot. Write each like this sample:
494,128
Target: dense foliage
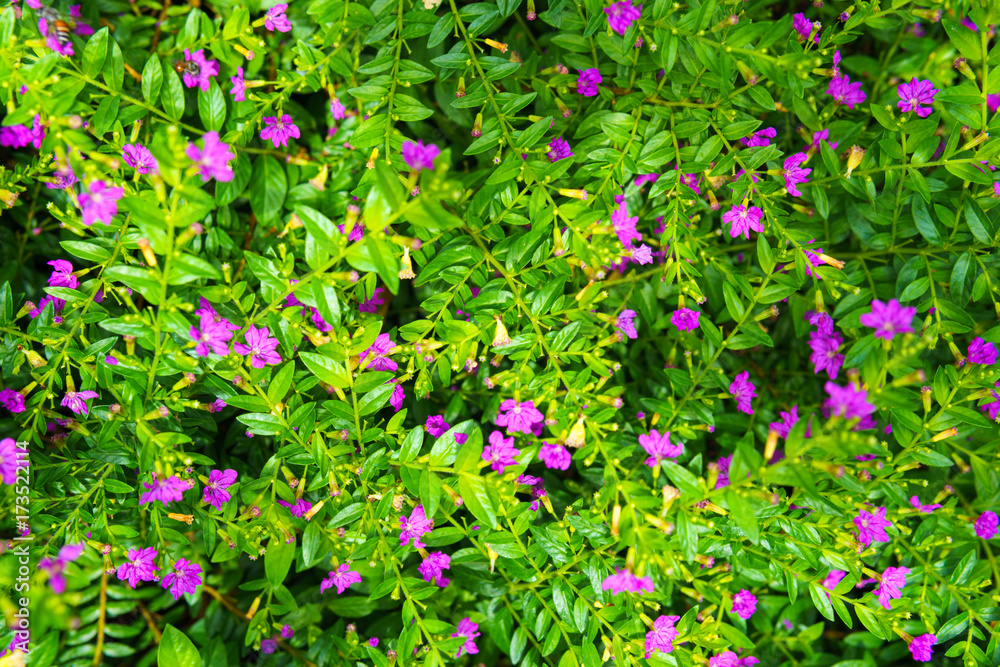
564,332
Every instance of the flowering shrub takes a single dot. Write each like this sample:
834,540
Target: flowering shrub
558,333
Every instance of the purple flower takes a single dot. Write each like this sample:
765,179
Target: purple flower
559,149
418,156
287,632
659,447
920,647
64,176
662,635
213,158
625,325
76,400
642,255
260,346
432,568
275,19
925,509
12,400
845,92
795,174
825,353
743,220
215,493
685,319
621,15
139,566
889,319
372,304
518,417
586,83
500,452
279,131
379,353
100,203
338,109
822,135
239,89
832,579
269,646
373,642
980,352
342,579
893,579
986,525
37,132
623,580
396,399
555,456
56,566
744,604
62,274
723,479
993,407
185,578
139,158
15,136
762,137
414,527
847,402
468,631
624,225
165,490
804,27
213,336
436,426
9,461
743,391
788,420
871,526
915,93
198,74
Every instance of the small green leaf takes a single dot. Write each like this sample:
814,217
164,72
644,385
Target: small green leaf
176,650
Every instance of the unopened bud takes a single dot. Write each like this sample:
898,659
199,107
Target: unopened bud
963,66
501,337
500,46
186,518
574,193
147,252
854,157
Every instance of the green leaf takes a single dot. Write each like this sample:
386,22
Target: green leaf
212,107
281,382
94,54
477,499
172,95
176,650
743,514
964,39
152,80
821,601
278,560
320,227
411,445
268,186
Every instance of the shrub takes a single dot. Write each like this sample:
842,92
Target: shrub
371,333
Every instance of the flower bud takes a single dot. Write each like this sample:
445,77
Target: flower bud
147,252
748,74
932,15
500,46
577,434
186,518
574,193
969,145
477,126
944,435
963,66
501,337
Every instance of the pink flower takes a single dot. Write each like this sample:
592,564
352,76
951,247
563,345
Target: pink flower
559,149
213,337
743,220
833,578
925,509
165,490
185,578
743,391
624,225
986,525
436,426
418,156
239,89
623,580
260,346
12,400
659,447
993,407
788,420
76,400
845,92
761,137
555,456
795,174
625,325
871,526
287,632
275,19
889,319
920,647
372,304
279,131
301,506
342,579
199,70
378,354
500,452
915,93
414,527
980,352
621,15
804,27
100,203
337,109
432,568
685,319
847,402
213,159
822,135
55,567
139,566
468,631
661,637
744,604
893,580
518,417
826,353
396,399
139,158
586,83
215,493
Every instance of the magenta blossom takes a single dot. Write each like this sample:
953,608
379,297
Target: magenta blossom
559,149
239,89
847,402
795,174
337,109
371,305
414,527
261,348
165,490
212,337
986,525
625,325
788,420
139,158
661,637
586,83
199,71
12,400
890,588
833,578
659,447
685,319
826,353
761,137
62,274
518,417
213,159
396,399
743,391
621,15
432,568
844,92
555,456
915,93
418,156
500,452
215,493
10,461
980,352
299,508
925,509
378,354
185,578
275,19
468,631
279,131
623,580
804,27
744,604
76,400
889,319
920,647
100,203
624,225
743,220
139,566
342,578
56,566
871,526
436,426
